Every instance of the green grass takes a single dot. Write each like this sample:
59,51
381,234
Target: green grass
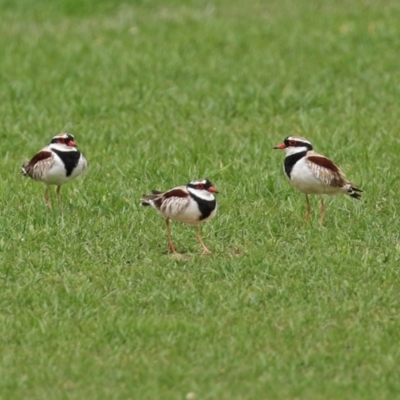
158,94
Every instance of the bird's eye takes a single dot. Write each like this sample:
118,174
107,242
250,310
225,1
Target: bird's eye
200,186
292,143
61,140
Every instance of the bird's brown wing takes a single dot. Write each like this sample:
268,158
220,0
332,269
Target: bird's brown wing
325,170
179,191
38,166
172,202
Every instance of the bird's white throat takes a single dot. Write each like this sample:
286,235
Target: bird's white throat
294,150
202,194
62,147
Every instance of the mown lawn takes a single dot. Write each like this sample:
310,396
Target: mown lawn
158,93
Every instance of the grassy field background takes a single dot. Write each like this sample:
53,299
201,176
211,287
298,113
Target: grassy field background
160,93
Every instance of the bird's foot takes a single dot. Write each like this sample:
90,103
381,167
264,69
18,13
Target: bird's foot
206,251
172,249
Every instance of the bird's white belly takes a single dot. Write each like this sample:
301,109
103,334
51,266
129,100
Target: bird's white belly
188,215
56,175
303,179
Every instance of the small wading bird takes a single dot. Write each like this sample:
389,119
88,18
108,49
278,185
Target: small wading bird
313,173
191,204
56,164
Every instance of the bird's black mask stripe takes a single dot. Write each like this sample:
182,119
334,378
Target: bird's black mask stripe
69,158
206,207
291,160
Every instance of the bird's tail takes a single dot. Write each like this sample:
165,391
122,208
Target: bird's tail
147,198
23,169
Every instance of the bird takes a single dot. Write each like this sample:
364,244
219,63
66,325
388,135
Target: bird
56,164
192,204
313,173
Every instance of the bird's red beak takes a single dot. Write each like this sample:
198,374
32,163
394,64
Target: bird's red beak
71,143
280,146
212,189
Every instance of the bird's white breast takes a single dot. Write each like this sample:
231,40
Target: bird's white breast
57,174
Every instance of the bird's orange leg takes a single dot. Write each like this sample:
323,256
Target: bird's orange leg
205,250
323,211
171,247
59,196
307,217
47,197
